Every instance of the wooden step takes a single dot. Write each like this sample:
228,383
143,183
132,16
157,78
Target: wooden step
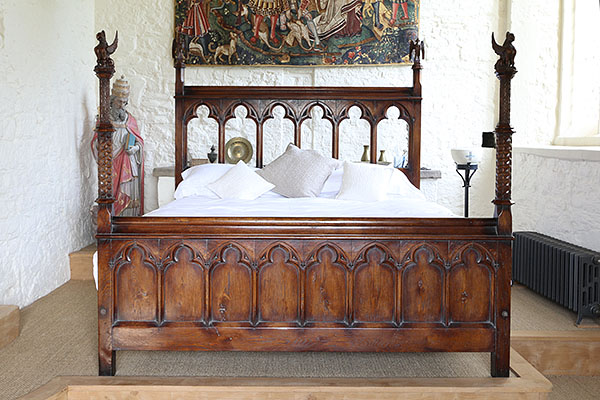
10,324
82,264
560,352
526,383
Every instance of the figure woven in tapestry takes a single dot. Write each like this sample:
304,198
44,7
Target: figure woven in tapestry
127,154
296,32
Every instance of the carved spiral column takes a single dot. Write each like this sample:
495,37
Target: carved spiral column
105,69
505,71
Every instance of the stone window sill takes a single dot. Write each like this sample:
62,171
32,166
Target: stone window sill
575,153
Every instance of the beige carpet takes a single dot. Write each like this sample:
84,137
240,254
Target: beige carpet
58,337
531,312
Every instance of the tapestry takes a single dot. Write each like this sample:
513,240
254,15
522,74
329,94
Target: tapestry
296,32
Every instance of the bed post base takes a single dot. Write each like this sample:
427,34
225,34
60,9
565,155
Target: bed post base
500,364
106,363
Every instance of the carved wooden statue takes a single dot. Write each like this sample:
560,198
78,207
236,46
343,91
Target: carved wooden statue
103,50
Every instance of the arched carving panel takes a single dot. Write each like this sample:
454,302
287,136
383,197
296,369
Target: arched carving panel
202,132
354,132
183,285
471,285
136,286
279,129
317,123
326,285
392,137
375,280
422,285
230,285
279,285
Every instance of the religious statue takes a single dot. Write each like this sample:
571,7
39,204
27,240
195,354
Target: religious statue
127,154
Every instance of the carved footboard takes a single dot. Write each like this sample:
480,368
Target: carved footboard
261,292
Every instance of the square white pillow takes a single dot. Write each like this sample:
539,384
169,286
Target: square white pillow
364,182
196,178
240,182
299,173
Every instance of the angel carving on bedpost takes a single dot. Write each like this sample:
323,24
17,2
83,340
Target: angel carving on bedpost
505,71
416,51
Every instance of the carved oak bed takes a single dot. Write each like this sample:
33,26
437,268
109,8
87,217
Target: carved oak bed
303,284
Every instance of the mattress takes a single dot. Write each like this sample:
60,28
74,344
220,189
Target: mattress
274,205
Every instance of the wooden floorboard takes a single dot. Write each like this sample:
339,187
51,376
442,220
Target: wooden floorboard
526,384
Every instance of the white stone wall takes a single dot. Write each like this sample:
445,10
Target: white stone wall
558,197
47,175
459,90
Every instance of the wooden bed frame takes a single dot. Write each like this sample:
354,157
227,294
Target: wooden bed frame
303,284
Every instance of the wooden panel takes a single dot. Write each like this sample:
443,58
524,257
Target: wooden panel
183,286
422,285
136,286
279,285
249,338
231,285
326,285
471,282
375,286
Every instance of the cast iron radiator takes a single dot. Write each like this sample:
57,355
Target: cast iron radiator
560,271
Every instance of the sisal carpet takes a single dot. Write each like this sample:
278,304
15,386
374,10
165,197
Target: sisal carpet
58,337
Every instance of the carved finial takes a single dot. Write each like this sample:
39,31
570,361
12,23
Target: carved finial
418,48
507,53
179,48
103,50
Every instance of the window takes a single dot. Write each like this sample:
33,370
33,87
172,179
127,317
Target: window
579,78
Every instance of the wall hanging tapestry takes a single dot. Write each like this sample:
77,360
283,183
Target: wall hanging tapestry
296,32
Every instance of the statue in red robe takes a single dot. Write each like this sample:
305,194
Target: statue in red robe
127,155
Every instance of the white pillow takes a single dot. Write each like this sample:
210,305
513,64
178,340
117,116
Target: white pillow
299,173
206,170
332,184
196,178
400,185
364,182
240,182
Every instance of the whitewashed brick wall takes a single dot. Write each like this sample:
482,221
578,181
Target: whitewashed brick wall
47,175
558,197
458,79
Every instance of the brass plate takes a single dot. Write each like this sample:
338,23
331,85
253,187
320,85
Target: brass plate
236,149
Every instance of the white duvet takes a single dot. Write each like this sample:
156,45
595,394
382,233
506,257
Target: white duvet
273,205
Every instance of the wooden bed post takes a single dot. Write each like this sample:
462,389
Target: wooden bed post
416,51
179,54
505,71
105,69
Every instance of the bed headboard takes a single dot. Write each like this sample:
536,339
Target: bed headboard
298,102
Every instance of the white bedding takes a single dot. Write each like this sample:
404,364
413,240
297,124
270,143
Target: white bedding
273,205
